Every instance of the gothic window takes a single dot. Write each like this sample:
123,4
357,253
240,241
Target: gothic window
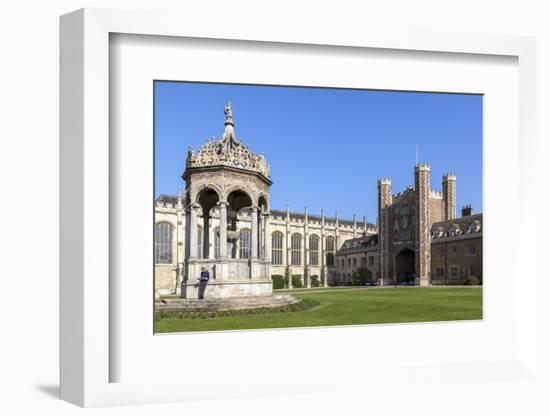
404,209
199,242
454,271
163,243
440,253
439,273
330,251
406,234
296,249
454,251
371,260
313,249
471,250
349,263
363,261
277,248
354,262
244,243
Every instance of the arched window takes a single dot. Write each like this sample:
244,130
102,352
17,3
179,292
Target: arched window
244,244
217,242
296,248
330,250
277,248
163,243
313,249
199,242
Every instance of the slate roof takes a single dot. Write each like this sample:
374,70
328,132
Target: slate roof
462,224
359,244
173,199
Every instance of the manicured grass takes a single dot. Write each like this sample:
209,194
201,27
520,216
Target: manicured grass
350,306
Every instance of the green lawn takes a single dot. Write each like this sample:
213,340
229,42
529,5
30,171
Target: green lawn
350,306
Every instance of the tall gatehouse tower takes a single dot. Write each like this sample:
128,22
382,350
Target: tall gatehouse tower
404,226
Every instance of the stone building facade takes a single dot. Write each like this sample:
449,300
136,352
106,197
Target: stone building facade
356,256
224,222
301,244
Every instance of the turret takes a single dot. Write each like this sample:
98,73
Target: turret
422,226
449,195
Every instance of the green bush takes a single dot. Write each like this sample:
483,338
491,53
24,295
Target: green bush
315,281
360,277
278,281
297,281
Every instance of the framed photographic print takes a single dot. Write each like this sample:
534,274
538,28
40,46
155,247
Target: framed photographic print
264,207
226,258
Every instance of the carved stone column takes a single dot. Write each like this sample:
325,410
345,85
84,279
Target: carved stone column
223,229
193,248
254,232
267,238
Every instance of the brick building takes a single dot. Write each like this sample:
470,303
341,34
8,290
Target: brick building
420,240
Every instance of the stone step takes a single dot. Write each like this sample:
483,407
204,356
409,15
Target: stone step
250,302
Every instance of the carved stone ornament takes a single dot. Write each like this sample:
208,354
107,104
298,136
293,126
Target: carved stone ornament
227,151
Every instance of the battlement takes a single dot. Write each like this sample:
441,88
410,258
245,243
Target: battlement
406,192
449,177
422,167
384,181
436,195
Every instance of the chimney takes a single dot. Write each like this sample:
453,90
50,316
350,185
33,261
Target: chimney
466,210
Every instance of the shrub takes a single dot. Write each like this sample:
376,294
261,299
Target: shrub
473,280
297,281
315,281
278,281
360,277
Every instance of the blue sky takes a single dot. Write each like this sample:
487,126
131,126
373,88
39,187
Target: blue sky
326,147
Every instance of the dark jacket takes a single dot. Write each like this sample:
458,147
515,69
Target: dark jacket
205,276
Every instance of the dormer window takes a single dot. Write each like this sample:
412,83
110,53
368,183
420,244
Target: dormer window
474,227
437,232
454,230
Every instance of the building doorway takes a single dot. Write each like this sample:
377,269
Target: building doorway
405,267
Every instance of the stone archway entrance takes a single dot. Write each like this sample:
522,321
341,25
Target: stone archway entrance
405,267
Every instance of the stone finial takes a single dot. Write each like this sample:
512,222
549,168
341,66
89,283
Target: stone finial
228,111
384,181
449,177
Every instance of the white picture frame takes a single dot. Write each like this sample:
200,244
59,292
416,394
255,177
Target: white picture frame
87,333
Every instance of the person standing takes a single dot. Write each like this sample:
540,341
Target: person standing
203,281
